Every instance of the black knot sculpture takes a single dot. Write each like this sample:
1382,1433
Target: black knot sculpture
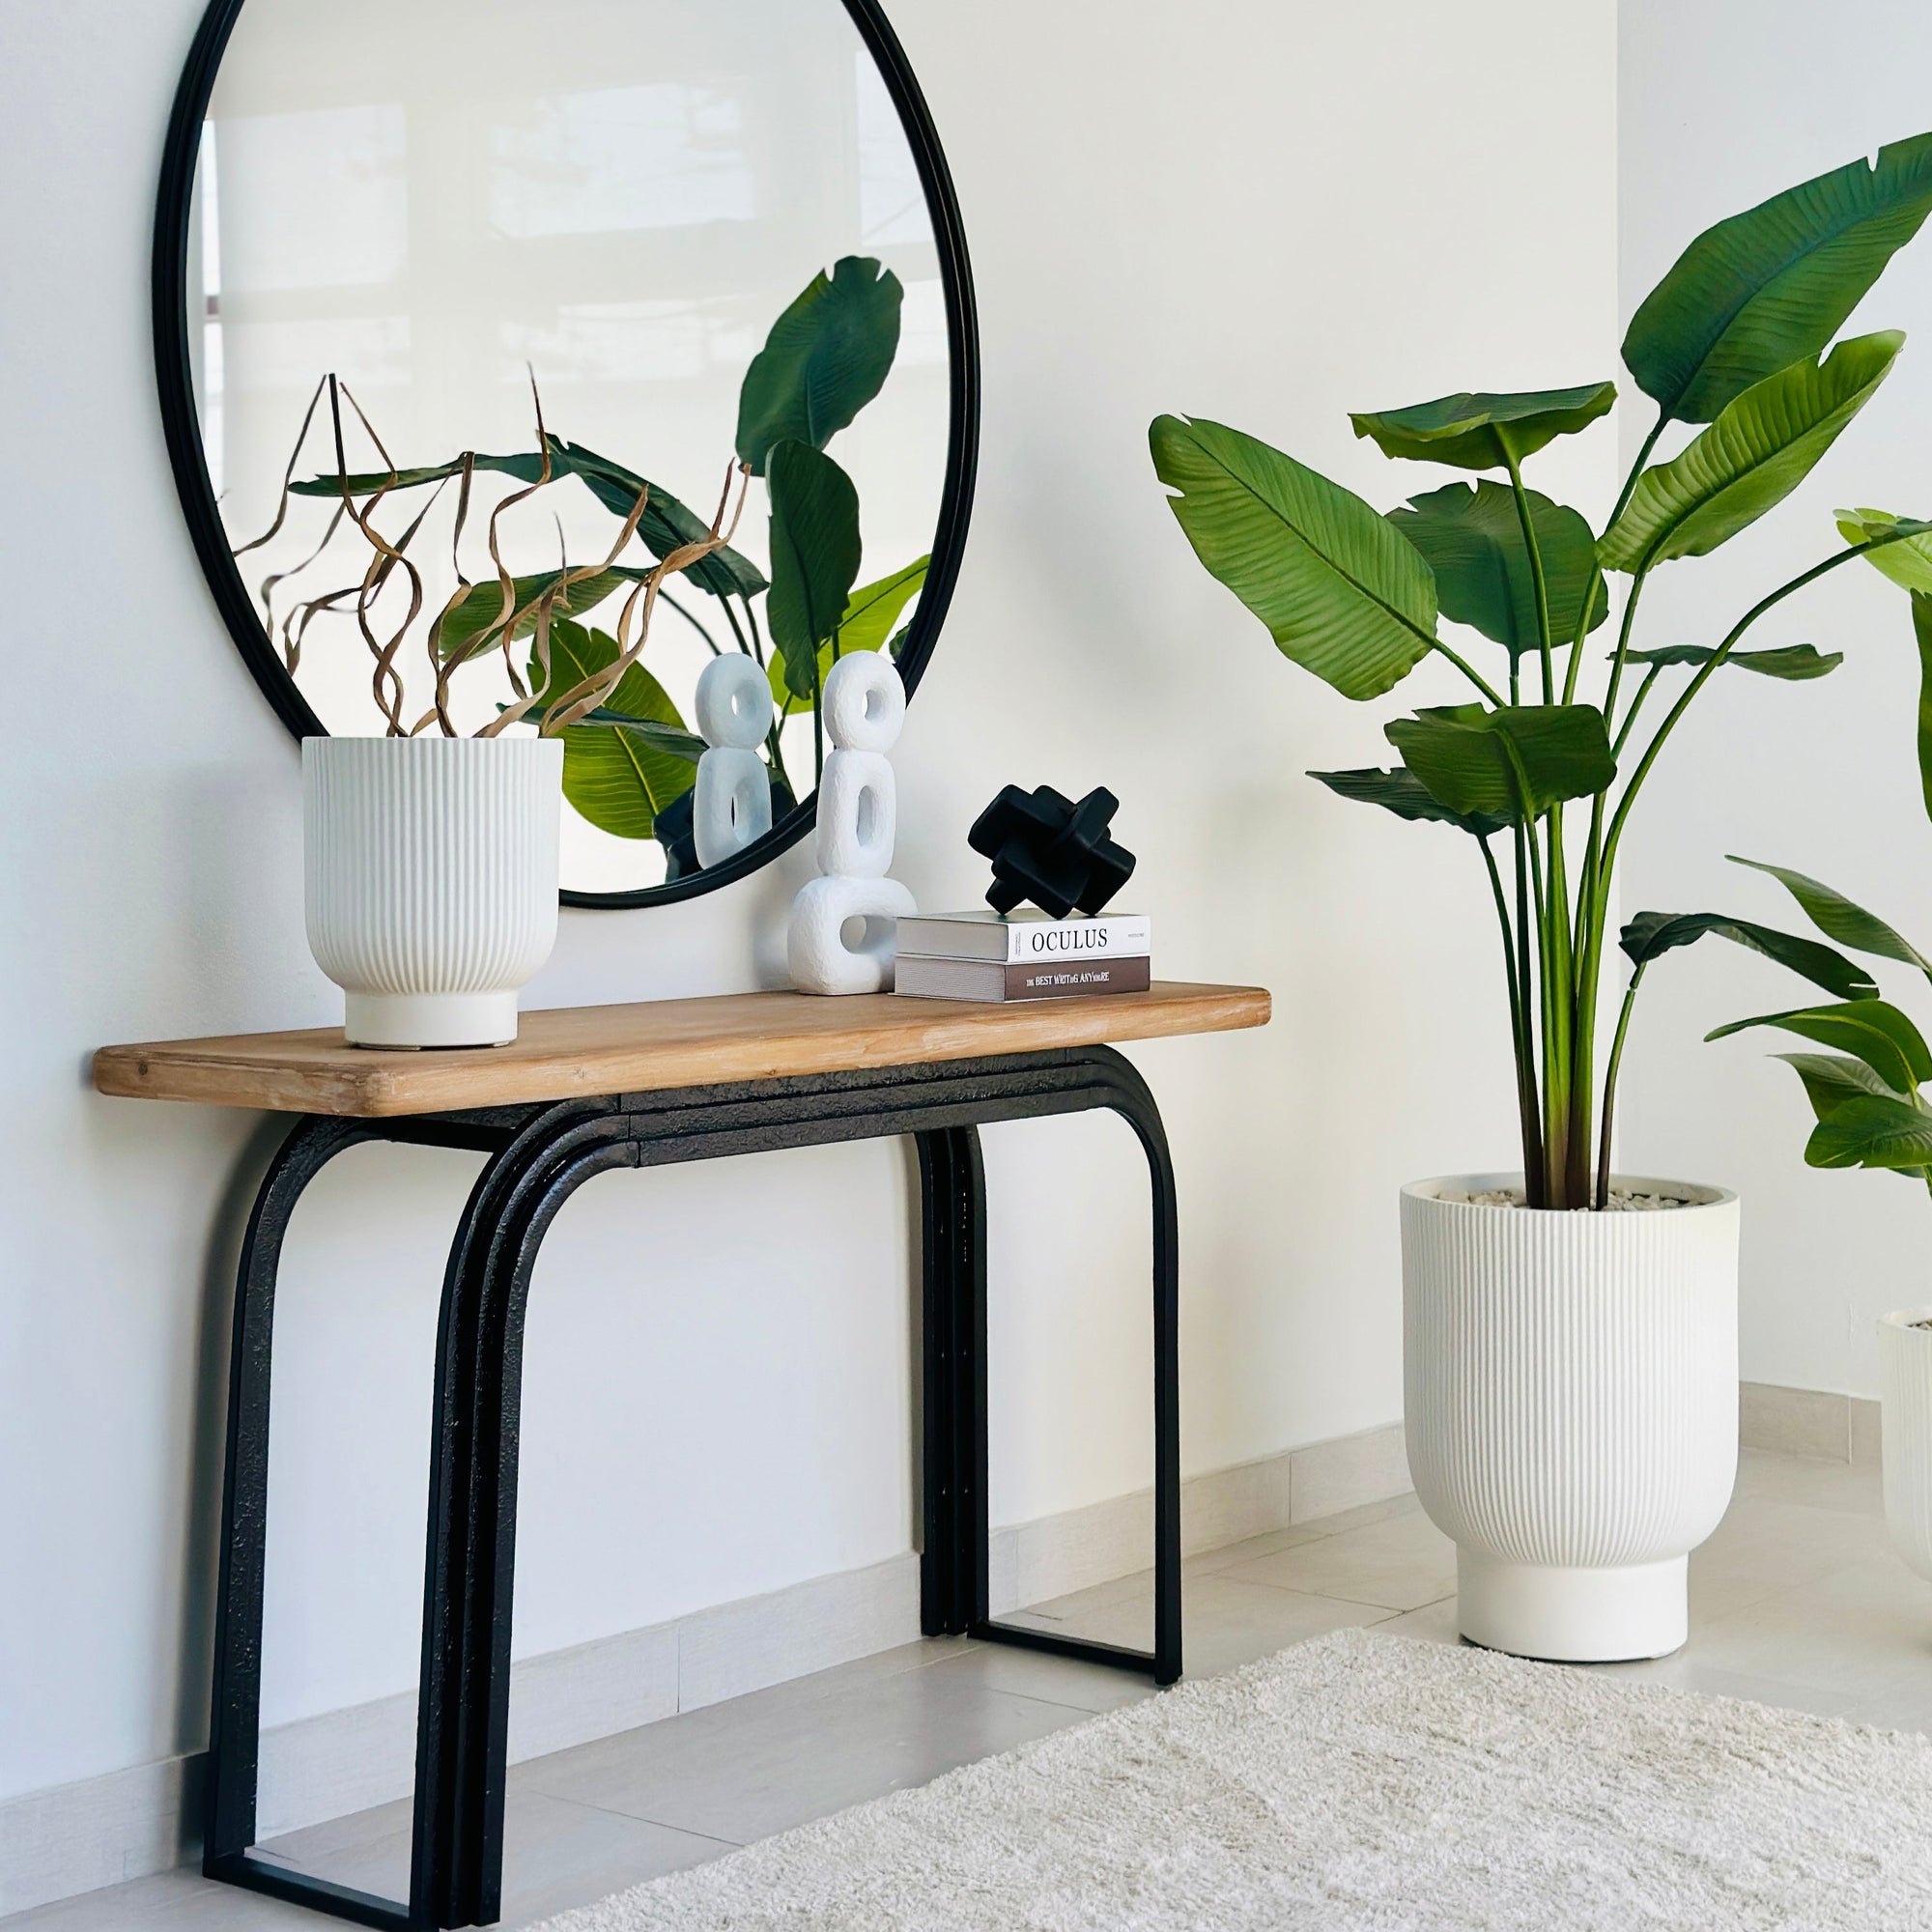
1047,849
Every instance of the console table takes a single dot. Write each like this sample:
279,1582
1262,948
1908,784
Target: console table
583,1090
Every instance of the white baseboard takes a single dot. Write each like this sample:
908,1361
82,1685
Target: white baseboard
1808,1422
106,1829
103,1830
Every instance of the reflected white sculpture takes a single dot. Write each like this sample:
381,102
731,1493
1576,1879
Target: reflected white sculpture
733,802
844,932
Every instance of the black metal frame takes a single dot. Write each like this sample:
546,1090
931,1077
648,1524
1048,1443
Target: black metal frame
540,1155
174,377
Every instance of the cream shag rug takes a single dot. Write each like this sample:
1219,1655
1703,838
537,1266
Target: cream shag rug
1363,1781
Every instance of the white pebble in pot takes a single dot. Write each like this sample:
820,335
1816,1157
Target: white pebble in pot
845,935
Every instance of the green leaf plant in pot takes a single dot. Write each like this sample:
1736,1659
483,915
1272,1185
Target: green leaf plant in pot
431,854
1867,1087
1571,1378
629,759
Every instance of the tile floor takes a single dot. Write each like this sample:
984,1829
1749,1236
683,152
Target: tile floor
1796,1600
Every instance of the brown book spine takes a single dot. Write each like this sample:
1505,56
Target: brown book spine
1036,980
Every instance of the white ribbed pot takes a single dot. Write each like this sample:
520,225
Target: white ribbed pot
431,872
1905,1431
1572,1408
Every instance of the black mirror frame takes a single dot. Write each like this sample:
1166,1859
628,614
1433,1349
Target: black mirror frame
179,422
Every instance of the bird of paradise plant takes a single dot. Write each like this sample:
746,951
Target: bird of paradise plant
1733,338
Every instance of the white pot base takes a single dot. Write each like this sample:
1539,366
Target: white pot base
397,1021
1573,1616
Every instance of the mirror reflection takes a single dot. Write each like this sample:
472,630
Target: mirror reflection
528,340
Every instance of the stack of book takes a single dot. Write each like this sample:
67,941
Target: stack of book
983,955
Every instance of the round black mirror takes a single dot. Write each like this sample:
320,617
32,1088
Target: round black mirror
471,318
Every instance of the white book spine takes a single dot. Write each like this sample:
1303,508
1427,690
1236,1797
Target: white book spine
1025,942
1037,942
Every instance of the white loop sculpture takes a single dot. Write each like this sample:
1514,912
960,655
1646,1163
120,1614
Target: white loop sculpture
733,804
843,935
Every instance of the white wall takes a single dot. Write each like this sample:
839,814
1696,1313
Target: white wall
1722,105
1264,213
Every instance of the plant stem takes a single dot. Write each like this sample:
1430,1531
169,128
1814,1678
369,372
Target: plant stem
1532,1173
1593,891
693,622
1586,937
817,725
1650,677
1550,1009
1526,1073
1583,1043
731,618
1588,612
1536,576
1468,670
1602,1193
1624,630
1636,469
776,752
1590,601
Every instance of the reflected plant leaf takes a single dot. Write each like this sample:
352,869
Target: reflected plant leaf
826,357
618,774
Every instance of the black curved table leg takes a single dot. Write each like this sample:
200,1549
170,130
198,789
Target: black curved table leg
952,1562
234,1749
953,1571
541,1155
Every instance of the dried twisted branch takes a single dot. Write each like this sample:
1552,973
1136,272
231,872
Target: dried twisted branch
588,694
510,619
386,682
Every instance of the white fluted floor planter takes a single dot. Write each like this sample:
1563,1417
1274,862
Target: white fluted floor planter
431,880
1571,1385
1905,1431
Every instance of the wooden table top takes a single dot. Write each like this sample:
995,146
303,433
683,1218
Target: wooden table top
572,1052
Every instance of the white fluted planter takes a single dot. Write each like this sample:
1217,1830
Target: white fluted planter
1905,1431
1572,1408
430,869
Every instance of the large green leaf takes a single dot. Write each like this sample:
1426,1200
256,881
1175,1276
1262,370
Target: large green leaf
1872,1130
667,524
1402,793
827,357
1510,765
1760,448
1794,662
1772,286
526,469
671,738
1483,432
617,778
463,626
1837,917
1471,538
1340,592
1830,1080
814,555
871,612
873,609
1874,1031
1652,933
